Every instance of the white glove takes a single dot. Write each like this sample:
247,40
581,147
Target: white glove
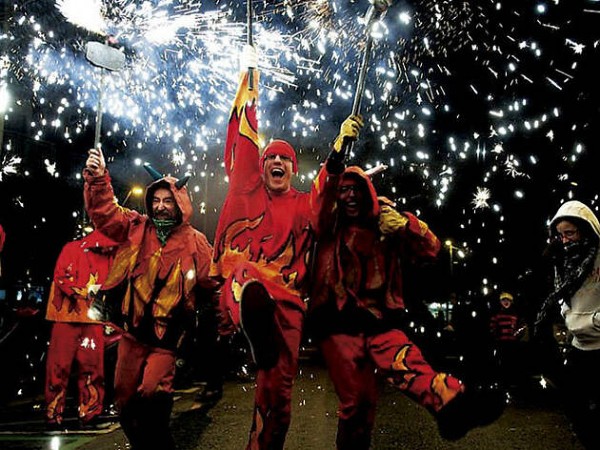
248,57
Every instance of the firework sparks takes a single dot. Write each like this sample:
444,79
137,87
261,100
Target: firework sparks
481,197
454,88
87,14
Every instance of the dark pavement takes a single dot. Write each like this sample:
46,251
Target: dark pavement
533,420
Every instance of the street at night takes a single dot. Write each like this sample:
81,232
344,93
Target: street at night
481,122
532,422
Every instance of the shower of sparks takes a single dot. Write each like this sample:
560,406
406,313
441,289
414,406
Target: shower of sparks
84,13
458,94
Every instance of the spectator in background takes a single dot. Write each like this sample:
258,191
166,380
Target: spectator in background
575,254
507,329
81,268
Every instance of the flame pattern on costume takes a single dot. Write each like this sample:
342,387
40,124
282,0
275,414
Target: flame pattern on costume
270,231
401,366
93,400
54,409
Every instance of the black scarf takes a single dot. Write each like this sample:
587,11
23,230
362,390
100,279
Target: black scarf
571,271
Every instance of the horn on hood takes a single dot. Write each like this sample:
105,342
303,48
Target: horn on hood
182,181
155,174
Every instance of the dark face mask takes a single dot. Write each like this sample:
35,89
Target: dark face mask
571,248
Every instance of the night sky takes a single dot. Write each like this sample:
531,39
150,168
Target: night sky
485,111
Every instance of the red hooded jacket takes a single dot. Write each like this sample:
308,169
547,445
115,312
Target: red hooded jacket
363,264
80,265
158,282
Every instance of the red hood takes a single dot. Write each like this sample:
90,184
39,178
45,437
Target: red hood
181,197
97,240
357,172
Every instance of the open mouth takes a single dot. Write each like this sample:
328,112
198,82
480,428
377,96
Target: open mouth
351,208
277,173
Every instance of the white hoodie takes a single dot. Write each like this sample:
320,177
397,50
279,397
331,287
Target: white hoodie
582,318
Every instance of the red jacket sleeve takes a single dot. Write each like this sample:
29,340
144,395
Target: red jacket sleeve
420,242
241,145
322,200
2,238
106,214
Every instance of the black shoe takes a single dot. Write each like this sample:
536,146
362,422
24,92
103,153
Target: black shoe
55,427
94,424
477,406
257,317
209,395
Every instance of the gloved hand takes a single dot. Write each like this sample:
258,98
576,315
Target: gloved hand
248,57
390,220
348,132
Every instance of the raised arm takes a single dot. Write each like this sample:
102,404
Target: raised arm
241,145
100,202
324,187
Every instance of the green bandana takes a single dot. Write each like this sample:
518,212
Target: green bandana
163,228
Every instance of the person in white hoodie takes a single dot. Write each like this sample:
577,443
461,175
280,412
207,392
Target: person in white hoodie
575,252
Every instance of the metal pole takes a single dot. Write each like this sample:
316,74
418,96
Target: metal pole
249,16
99,111
364,64
373,14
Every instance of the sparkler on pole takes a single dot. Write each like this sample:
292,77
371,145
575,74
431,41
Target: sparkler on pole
249,16
107,58
374,13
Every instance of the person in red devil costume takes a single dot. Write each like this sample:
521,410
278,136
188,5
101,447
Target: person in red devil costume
261,254
356,313
80,270
160,271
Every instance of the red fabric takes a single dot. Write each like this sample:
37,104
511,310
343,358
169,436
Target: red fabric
272,409
84,344
182,264
363,264
142,370
264,236
504,326
81,263
269,230
2,237
352,362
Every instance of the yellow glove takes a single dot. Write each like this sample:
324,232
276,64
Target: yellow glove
348,132
390,220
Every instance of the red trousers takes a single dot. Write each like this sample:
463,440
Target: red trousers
144,393
352,362
142,370
273,395
83,343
